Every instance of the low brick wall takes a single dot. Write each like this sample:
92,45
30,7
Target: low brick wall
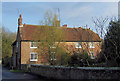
75,73
24,67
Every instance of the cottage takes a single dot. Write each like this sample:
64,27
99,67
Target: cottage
75,38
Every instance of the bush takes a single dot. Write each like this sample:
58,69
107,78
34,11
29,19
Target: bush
76,59
111,47
80,59
100,58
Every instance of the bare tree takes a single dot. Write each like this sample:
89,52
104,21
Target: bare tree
102,29
50,35
101,25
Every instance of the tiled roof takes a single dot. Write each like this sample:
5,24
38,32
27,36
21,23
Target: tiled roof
28,32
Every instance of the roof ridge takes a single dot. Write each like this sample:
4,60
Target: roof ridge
60,26
32,25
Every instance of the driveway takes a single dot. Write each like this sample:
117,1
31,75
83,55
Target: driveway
6,75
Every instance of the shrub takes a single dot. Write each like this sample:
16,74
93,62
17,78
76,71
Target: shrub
80,59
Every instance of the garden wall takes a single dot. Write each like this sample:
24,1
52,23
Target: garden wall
58,72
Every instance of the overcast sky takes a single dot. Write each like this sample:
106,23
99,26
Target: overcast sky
74,14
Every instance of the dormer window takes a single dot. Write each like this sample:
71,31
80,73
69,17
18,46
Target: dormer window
33,44
78,45
91,45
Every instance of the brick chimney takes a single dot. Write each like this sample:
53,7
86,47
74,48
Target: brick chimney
20,21
65,25
58,23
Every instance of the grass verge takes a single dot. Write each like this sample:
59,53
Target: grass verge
16,71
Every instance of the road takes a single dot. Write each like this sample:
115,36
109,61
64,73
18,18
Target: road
7,75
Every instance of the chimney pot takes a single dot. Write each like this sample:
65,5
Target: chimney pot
20,21
65,25
20,16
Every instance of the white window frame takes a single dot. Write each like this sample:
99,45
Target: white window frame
53,46
33,59
91,45
77,45
92,54
54,56
31,44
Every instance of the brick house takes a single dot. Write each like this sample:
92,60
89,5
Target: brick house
75,38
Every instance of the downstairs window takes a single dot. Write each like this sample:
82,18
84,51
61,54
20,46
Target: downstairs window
33,57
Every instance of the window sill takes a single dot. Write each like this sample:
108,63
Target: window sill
33,59
52,47
78,47
52,59
92,47
33,47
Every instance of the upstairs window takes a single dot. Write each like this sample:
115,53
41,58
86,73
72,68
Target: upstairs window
91,45
33,44
92,55
53,46
33,57
78,45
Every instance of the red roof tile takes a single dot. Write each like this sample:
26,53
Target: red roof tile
28,32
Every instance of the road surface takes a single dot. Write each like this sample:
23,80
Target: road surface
7,75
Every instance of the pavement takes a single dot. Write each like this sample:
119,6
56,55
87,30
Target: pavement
7,75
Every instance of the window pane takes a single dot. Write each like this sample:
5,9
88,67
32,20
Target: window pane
53,45
31,56
35,56
78,45
91,45
92,54
33,44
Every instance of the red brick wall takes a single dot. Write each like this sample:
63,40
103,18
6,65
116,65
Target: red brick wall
26,50
85,46
25,54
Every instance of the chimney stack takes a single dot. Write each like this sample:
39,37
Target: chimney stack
20,21
58,23
65,25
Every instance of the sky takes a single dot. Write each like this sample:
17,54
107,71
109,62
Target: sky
74,14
